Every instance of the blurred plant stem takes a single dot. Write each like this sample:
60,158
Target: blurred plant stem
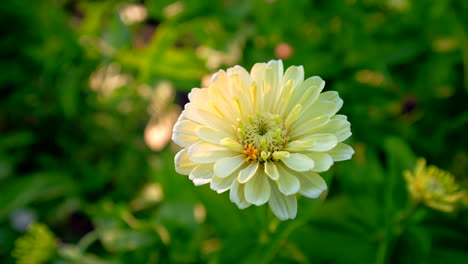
274,234
277,235
394,231
87,240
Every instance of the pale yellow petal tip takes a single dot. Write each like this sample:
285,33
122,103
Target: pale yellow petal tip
216,76
433,187
316,83
183,165
283,206
275,63
279,155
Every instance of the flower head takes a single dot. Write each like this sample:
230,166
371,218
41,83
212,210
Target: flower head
38,245
263,136
432,186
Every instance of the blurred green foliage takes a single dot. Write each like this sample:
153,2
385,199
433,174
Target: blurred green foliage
82,83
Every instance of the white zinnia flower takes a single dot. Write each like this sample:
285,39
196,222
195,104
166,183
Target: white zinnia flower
263,136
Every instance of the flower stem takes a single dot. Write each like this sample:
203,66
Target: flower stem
393,232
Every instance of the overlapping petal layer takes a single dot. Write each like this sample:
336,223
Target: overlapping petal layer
262,135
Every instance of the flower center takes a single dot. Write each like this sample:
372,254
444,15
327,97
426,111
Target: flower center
434,186
264,133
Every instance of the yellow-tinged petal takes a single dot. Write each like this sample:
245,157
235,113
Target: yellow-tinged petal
271,88
340,127
184,133
285,96
185,126
305,128
198,95
221,185
312,185
271,170
279,155
183,139
237,84
257,190
218,94
323,161
333,97
293,77
231,144
204,117
219,79
202,174
204,152
237,196
340,117
292,117
294,74
341,152
258,75
183,165
287,183
298,162
324,142
211,135
242,75
317,142
306,93
247,173
226,166
319,108
300,145
284,207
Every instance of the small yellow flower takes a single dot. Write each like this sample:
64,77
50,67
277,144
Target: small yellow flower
38,245
263,136
433,187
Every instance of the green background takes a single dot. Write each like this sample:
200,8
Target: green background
80,83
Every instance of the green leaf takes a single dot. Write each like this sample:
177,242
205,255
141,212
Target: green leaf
448,255
414,246
41,186
69,86
17,139
400,154
330,245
